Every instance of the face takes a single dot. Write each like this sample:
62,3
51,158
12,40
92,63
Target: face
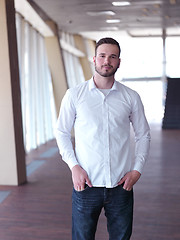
107,60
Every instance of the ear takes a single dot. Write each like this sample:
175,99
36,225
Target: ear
94,59
119,62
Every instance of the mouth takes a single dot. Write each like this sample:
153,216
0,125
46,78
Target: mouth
107,67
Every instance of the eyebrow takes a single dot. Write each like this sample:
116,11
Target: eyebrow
115,55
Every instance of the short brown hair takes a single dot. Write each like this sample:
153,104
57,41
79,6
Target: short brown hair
107,41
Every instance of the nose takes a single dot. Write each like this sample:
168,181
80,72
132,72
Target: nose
107,60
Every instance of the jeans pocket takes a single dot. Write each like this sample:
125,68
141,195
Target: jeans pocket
122,185
85,188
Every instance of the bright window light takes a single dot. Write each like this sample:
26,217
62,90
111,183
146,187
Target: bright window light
120,4
100,13
113,20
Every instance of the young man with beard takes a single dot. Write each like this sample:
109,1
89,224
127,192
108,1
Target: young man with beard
103,172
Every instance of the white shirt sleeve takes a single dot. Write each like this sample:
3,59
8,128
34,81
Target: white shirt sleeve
64,126
142,135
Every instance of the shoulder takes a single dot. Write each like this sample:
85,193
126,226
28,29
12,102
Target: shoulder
79,87
126,90
129,96
76,93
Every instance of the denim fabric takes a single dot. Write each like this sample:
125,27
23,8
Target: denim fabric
87,206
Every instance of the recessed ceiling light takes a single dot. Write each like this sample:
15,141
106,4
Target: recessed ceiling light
113,20
109,28
120,4
100,13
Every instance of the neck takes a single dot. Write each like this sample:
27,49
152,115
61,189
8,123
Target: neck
103,82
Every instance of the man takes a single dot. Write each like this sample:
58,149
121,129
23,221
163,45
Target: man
103,171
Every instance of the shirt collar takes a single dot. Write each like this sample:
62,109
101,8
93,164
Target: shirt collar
115,86
93,86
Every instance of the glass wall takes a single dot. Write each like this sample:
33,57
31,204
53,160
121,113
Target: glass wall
140,58
172,56
74,72
38,109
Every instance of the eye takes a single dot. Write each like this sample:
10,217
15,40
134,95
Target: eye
114,56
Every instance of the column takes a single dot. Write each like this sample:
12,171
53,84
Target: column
83,60
12,154
56,65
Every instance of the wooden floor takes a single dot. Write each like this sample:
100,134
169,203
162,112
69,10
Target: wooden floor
41,209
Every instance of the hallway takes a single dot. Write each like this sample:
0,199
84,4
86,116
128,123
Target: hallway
41,209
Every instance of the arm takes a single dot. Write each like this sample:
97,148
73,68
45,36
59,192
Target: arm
64,126
142,135
65,123
142,144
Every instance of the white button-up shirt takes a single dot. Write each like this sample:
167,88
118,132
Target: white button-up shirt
102,132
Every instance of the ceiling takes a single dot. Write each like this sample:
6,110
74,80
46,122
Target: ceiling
76,16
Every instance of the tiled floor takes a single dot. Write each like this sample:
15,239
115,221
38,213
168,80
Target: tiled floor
41,209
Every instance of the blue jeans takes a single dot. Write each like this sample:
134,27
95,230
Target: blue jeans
87,206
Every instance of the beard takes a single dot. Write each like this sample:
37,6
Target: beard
106,73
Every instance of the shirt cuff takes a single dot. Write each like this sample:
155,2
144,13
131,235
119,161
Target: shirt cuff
71,163
138,166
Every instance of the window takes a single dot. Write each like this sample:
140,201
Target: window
172,56
38,110
140,58
73,67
